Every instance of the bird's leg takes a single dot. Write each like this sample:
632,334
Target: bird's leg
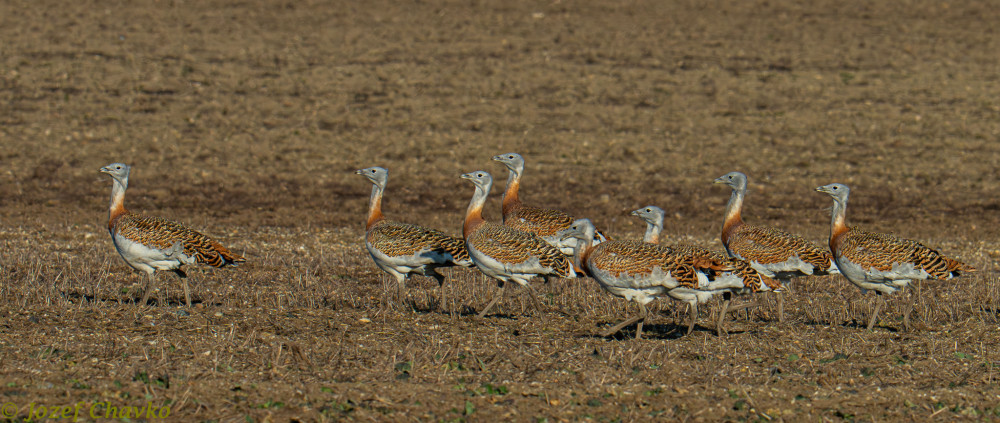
530,291
694,317
719,329
908,308
878,306
441,292
187,292
614,329
493,302
643,313
161,297
781,307
150,285
401,293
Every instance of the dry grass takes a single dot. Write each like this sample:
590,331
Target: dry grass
246,120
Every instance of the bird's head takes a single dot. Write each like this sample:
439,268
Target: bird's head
581,229
839,192
513,161
650,214
377,175
118,171
735,180
481,178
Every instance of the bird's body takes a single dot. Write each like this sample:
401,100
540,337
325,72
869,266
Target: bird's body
882,262
401,249
504,253
771,251
653,216
149,243
546,223
642,271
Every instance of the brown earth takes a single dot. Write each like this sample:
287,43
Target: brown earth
246,119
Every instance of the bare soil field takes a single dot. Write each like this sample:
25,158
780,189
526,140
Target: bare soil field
246,119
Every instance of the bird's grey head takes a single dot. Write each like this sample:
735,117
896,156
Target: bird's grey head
118,171
377,175
735,180
481,178
839,192
513,161
650,214
582,229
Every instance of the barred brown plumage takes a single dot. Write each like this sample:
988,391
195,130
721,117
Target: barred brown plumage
882,262
653,216
150,243
546,223
505,253
752,279
162,233
401,249
642,271
771,251
401,239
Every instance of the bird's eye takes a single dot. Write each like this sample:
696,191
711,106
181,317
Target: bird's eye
510,157
834,188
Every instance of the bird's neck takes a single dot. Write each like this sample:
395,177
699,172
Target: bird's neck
375,207
474,215
510,199
581,252
117,207
652,234
838,223
734,212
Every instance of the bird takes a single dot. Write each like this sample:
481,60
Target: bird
149,243
505,253
546,223
771,251
641,272
401,249
653,216
882,262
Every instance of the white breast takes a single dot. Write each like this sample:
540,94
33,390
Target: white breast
148,259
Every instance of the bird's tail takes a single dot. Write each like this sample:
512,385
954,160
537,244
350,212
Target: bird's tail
752,279
220,256
957,268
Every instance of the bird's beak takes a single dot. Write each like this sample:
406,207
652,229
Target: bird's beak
719,180
498,158
105,169
821,189
466,176
635,213
567,235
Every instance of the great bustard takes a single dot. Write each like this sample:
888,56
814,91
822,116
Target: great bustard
882,262
641,272
505,253
150,243
546,223
653,216
401,249
771,251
